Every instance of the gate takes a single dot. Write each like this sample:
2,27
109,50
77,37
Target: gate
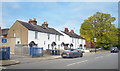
36,51
21,50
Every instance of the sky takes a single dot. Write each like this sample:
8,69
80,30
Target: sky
59,15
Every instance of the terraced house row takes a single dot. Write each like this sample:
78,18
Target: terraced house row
44,36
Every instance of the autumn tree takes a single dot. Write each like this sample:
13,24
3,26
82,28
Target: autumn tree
100,26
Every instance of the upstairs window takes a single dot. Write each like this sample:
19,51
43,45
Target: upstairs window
14,34
48,36
81,41
78,41
72,40
36,35
44,42
58,37
55,38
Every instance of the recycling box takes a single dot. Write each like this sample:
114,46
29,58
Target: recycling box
55,52
4,53
36,51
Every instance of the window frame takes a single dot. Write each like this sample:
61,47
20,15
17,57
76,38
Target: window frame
58,37
48,36
36,35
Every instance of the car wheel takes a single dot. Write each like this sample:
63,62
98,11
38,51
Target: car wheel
81,55
63,57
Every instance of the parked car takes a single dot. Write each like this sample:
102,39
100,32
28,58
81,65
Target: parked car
114,50
71,53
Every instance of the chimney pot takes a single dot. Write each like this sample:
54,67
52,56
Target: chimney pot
34,19
34,22
45,24
66,30
30,19
72,31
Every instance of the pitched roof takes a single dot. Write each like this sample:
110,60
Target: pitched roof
74,35
39,28
5,31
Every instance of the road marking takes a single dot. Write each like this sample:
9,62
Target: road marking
108,54
77,63
99,57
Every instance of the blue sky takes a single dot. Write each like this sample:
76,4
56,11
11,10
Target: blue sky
59,15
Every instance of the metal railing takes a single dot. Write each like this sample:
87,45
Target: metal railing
4,53
35,51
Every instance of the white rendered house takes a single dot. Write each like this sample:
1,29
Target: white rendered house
42,35
73,38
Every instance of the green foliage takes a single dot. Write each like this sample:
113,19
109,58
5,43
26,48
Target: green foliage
101,24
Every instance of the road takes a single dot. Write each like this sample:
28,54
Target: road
104,60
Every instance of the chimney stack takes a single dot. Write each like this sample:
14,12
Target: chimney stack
66,30
34,22
72,31
45,24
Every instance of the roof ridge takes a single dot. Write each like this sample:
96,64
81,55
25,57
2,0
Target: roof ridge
39,28
23,21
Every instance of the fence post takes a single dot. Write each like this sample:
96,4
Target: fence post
3,53
8,52
32,51
0,53
42,51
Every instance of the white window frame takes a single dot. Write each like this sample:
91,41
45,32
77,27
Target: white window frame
48,36
58,37
14,34
36,35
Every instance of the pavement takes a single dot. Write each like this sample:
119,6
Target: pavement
19,59
8,62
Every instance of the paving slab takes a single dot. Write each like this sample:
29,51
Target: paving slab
8,62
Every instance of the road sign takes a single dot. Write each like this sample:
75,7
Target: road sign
94,39
4,40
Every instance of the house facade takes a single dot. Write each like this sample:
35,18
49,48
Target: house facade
72,40
44,36
26,32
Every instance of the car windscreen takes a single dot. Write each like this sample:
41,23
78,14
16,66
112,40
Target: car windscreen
114,48
75,51
67,50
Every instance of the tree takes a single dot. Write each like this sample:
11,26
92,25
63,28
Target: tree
100,24
118,38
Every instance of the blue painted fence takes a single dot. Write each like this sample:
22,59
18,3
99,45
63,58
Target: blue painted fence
4,53
35,51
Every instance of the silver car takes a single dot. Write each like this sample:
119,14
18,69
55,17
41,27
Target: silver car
114,50
71,53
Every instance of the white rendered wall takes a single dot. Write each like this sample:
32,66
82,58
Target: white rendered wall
43,40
